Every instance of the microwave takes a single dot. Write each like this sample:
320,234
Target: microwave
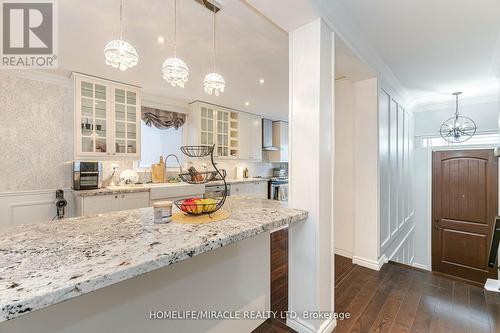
87,175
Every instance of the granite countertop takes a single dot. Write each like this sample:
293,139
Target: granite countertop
110,191
145,188
241,180
47,263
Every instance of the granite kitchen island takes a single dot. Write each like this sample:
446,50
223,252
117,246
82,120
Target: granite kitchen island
112,271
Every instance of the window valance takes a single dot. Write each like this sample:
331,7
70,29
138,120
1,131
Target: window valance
162,119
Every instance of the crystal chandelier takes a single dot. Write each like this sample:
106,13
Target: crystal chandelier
175,70
458,128
214,83
118,52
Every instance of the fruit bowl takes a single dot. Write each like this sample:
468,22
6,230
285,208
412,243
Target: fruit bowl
198,206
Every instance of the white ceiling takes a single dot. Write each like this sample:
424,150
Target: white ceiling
434,47
249,48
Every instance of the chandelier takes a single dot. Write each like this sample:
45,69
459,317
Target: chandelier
214,83
175,70
458,128
118,52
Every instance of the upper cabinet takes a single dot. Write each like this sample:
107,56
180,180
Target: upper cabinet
280,141
209,125
236,135
107,119
250,137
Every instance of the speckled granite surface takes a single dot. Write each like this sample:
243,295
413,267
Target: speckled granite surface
241,181
108,191
43,264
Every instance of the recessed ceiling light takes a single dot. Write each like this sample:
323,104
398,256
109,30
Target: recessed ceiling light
160,39
247,103
261,81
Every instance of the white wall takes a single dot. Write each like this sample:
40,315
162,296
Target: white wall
344,168
366,216
427,124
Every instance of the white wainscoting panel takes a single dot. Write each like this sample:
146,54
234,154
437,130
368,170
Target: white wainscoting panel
18,208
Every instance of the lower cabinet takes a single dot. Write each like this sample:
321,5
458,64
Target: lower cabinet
253,189
110,203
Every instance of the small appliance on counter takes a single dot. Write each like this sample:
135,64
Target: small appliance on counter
87,175
278,189
279,172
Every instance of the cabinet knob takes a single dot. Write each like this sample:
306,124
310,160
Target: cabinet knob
116,197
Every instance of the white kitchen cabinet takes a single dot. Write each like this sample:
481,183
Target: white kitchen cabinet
255,189
107,119
250,136
280,141
100,204
209,125
133,200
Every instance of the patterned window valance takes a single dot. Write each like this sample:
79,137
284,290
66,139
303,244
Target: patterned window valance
162,119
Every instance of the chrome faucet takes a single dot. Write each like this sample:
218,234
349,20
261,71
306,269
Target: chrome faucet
176,158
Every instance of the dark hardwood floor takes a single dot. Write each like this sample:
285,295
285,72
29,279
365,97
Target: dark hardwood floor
279,272
395,299
343,266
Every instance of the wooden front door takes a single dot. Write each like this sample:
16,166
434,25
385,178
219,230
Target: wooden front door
464,206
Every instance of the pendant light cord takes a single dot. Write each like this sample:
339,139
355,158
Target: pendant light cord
121,14
215,49
456,110
175,28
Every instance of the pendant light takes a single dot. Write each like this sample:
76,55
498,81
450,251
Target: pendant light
175,71
458,128
214,82
118,52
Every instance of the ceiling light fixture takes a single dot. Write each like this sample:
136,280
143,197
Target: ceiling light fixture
261,81
175,70
458,128
118,52
160,39
214,82
247,103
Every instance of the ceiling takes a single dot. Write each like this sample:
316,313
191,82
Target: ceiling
250,47
434,47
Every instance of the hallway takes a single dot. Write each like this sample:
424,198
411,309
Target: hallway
401,299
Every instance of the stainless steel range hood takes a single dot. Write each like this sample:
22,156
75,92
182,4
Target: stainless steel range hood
267,135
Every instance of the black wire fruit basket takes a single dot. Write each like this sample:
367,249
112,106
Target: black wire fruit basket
197,206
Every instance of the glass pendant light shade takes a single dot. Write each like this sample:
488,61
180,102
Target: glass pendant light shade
214,84
120,54
175,71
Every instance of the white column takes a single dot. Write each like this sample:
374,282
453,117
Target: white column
311,279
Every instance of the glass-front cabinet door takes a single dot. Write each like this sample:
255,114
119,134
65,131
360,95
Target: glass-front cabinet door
93,119
207,130
222,133
107,119
127,121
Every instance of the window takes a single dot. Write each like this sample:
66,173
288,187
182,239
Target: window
160,142
478,139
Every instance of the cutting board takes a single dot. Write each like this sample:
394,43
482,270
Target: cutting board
157,173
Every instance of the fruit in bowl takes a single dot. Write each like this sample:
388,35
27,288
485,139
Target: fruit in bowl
197,206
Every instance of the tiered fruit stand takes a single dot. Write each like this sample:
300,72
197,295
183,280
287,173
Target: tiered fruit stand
204,177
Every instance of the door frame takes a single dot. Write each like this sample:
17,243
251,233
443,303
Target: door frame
430,150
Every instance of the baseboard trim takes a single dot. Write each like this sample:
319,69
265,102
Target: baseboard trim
302,326
424,267
371,264
344,253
